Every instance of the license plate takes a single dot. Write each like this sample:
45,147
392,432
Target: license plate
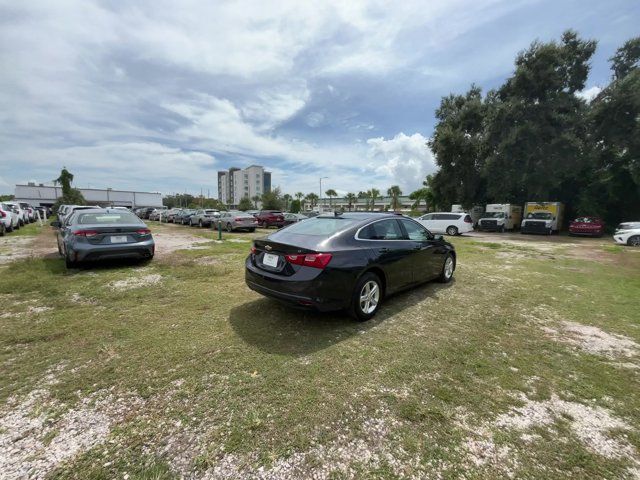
118,239
270,260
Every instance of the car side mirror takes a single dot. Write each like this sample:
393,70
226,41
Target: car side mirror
437,238
56,224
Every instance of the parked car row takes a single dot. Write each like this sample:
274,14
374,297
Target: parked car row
14,215
230,221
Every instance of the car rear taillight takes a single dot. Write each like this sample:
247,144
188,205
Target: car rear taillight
85,233
253,249
143,231
2,214
467,219
315,260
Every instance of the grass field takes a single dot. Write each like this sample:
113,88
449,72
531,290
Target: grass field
527,365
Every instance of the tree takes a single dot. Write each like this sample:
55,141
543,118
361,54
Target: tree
351,199
626,58
70,195
614,188
287,198
394,192
536,138
245,204
272,200
255,199
374,194
458,144
6,198
296,206
365,196
312,198
331,193
418,195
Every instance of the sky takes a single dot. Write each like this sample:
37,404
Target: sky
157,95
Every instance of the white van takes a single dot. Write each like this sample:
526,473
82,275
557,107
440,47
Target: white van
500,217
447,222
476,212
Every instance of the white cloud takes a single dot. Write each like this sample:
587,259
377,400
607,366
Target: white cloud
405,160
588,94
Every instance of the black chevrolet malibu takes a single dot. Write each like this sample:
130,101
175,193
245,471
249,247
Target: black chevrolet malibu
349,261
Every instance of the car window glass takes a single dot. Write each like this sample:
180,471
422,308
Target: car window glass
415,230
107,218
382,230
320,226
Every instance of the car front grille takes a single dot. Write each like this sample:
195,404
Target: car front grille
535,226
489,223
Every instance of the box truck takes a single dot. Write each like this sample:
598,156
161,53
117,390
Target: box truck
542,217
475,212
499,217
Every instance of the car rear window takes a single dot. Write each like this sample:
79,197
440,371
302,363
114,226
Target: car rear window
107,218
321,226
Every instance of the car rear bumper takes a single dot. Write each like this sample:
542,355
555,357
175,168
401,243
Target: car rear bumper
310,294
88,252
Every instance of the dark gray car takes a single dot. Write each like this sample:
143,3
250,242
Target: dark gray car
99,234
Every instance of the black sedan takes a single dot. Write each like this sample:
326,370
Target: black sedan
349,261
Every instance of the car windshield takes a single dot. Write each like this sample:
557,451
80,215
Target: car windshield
107,218
494,215
629,226
321,226
210,211
540,215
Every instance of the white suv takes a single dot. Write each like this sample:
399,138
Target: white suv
447,222
22,215
8,219
628,233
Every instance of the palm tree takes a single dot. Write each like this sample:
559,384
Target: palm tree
287,198
256,199
394,192
299,195
366,196
351,198
330,193
374,193
312,198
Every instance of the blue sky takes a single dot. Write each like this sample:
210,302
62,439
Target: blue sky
142,95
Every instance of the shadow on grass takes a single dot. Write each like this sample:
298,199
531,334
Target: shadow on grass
55,264
280,329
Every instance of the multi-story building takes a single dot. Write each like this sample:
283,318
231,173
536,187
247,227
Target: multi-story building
235,184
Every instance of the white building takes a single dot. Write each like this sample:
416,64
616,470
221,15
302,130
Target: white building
236,184
46,196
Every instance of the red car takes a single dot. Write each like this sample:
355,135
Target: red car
270,218
592,226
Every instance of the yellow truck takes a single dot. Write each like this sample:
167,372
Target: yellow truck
542,217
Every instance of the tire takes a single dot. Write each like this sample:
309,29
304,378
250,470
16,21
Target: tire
264,225
452,231
501,228
68,262
3,229
251,230
229,228
634,241
366,297
448,266
21,223
200,223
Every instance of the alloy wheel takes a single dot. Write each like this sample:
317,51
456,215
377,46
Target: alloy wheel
448,268
453,231
369,297
635,241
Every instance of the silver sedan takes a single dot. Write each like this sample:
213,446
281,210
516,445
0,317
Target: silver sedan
237,220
